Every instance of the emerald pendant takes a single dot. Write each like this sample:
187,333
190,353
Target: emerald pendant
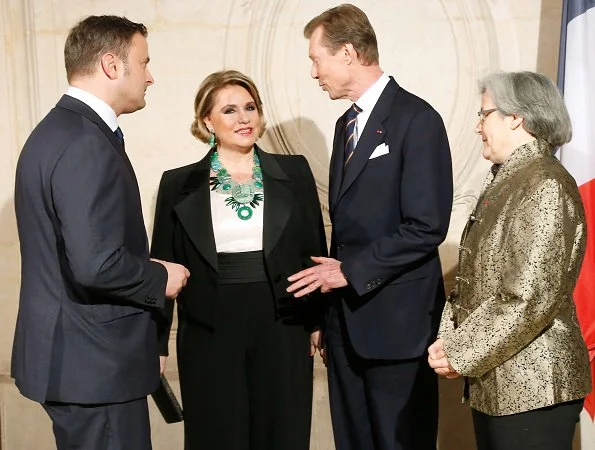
245,212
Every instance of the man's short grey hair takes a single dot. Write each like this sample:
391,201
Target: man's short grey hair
534,97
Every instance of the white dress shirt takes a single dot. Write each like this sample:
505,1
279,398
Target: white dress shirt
232,234
102,109
367,102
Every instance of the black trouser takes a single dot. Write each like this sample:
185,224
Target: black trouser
550,428
116,426
379,405
247,384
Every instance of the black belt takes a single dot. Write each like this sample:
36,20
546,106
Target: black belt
244,267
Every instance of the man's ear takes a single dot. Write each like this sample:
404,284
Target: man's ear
349,53
111,65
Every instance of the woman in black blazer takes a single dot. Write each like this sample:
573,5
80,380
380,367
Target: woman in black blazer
241,220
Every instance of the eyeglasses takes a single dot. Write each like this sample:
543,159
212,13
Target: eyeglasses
485,113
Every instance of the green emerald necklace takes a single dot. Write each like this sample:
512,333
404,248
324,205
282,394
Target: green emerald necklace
243,197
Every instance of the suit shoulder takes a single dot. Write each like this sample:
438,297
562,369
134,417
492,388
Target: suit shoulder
289,159
293,163
171,184
174,179
179,172
63,136
548,171
59,128
408,100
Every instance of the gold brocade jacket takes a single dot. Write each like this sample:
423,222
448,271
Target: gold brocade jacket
510,323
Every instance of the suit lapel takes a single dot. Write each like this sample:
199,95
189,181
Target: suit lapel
278,201
374,133
194,211
337,161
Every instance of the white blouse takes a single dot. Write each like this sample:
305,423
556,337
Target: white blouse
232,234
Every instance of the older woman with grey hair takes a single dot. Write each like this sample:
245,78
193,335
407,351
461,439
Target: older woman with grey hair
510,325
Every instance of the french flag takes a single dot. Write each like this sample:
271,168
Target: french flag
576,79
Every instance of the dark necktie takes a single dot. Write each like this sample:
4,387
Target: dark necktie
351,120
119,135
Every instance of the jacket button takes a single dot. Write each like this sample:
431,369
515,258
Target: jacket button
340,246
368,286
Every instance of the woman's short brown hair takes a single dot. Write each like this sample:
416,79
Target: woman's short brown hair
205,98
346,24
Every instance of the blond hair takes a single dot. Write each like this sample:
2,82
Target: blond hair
207,92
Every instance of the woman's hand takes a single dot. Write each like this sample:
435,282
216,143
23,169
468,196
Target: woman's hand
316,343
162,364
439,362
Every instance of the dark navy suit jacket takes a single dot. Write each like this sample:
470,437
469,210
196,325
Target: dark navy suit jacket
389,215
85,332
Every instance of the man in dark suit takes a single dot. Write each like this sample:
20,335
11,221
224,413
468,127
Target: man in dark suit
85,344
390,199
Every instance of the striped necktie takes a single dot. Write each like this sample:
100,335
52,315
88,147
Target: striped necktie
351,119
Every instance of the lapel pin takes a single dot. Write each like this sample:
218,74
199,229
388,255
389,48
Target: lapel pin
379,131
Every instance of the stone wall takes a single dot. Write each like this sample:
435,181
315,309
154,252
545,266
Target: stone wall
435,48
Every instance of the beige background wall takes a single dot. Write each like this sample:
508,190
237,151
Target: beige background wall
435,48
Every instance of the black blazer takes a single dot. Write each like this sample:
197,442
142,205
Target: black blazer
292,232
389,215
84,332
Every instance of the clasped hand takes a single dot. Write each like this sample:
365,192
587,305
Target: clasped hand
439,362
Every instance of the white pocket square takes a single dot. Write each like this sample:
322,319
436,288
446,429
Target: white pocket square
382,149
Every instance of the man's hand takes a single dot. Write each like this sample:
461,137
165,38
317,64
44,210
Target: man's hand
177,277
439,362
162,364
326,275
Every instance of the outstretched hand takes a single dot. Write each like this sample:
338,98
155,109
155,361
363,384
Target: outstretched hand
326,275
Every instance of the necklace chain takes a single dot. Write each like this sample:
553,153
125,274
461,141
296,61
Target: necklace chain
243,197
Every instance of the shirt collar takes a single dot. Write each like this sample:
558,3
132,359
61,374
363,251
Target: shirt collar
102,109
369,98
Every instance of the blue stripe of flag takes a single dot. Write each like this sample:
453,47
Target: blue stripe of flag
570,10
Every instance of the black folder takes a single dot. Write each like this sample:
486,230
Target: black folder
167,403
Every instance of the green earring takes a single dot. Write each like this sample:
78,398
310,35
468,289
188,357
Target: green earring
212,139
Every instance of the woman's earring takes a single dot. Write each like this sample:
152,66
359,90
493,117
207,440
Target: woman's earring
212,139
